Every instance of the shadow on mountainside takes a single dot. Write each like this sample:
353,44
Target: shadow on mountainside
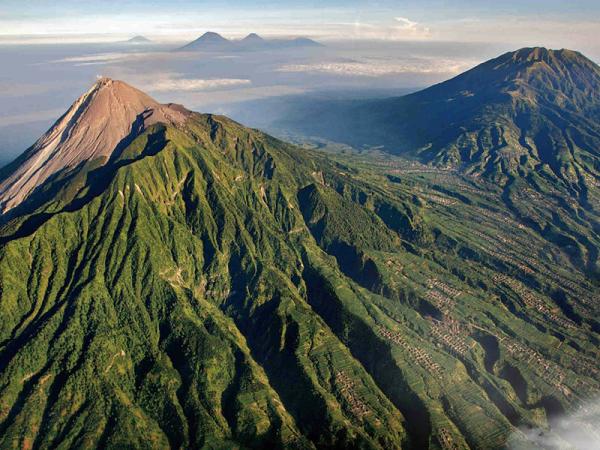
97,180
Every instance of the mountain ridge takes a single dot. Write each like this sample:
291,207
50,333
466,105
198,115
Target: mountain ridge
211,41
212,286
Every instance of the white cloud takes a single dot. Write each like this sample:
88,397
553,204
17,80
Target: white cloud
100,58
374,68
405,27
395,29
579,429
172,82
406,24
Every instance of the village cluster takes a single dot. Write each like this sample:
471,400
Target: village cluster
420,356
346,386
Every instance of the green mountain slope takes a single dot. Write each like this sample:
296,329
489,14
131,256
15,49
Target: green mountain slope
210,286
532,110
528,121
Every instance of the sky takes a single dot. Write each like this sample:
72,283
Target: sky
552,23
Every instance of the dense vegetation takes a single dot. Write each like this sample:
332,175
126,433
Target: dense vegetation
214,287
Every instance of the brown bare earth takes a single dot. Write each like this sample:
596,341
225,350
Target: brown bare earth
90,130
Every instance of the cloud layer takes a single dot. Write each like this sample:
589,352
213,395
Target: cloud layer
98,58
578,430
380,68
169,83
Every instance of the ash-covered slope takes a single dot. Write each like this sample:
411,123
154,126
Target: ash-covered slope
212,287
90,131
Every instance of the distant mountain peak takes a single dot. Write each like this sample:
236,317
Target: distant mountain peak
212,36
208,41
300,42
532,110
563,60
537,70
307,41
91,129
253,38
139,40
522,111
531,54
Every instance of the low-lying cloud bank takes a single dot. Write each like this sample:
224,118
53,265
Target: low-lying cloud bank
194,84
578,429
99,58
377,68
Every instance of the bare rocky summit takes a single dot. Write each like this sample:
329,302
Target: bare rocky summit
91,129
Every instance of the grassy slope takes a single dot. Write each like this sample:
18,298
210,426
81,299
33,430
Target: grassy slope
215,288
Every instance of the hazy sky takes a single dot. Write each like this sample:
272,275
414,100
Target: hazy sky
554,23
